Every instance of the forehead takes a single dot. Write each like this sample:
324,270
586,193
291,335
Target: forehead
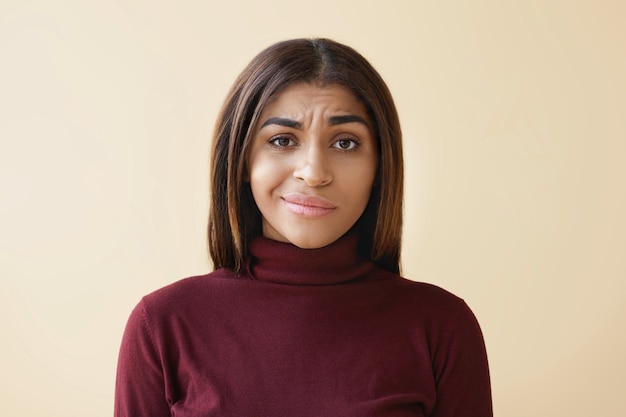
302,98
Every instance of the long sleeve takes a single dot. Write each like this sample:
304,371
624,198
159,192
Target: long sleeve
379,345
462,374
140,387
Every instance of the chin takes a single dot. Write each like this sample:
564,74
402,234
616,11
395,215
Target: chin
308,243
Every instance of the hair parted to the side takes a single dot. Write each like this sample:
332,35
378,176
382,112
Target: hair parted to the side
233,215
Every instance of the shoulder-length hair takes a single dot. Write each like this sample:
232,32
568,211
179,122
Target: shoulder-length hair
233,215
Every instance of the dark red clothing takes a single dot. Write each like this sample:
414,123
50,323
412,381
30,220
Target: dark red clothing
313,332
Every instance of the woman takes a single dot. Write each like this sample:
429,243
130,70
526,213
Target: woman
305,313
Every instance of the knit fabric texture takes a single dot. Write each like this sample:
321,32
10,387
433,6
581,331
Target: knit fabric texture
302,332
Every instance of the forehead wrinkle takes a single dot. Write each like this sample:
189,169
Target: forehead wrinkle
332,121
301,109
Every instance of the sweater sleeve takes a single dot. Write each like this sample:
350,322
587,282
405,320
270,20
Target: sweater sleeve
462,372
140,385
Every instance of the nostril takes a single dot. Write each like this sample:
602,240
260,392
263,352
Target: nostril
313,176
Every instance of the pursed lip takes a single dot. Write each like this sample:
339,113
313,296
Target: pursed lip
308,205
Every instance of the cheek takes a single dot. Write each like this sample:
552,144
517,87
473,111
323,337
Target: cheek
264,176
361,179
270,165
369,179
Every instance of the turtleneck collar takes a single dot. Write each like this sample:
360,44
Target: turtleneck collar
284,263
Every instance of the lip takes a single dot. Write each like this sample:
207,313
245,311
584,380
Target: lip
308,205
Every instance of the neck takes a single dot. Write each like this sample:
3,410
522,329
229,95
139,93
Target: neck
284,263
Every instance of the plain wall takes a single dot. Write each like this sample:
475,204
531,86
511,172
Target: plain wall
515,134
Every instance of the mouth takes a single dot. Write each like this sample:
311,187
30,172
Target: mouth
307,205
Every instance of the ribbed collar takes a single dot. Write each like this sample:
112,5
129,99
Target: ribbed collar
284,263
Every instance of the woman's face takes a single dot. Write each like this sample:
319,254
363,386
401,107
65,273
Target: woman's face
312,164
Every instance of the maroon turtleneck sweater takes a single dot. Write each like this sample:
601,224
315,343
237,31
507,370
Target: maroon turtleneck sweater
302,333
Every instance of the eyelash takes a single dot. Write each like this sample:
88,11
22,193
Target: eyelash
273,141
355,143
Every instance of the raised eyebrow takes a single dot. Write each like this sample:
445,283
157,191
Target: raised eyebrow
349,118
332,121
281,121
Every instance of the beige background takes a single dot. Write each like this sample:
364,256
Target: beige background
514,121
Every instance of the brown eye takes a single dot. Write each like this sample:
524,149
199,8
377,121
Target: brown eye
346,144
282,141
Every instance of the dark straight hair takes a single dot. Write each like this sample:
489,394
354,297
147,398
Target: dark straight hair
233,215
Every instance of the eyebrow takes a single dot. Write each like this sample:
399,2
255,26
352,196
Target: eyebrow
281,121
350,118
333,121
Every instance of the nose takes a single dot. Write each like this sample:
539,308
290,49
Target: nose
313,168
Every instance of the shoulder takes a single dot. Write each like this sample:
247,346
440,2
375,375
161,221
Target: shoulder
420,291
446,316
423,299
188,293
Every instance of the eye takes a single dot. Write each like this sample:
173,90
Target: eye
346,144
282,141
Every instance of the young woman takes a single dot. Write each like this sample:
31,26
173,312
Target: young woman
305,313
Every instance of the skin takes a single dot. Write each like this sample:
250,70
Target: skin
312,164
